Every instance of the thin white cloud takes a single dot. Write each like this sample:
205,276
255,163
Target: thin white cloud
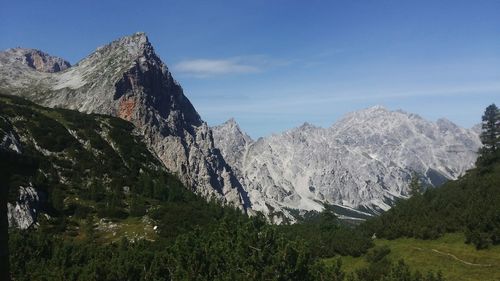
236,65
211,67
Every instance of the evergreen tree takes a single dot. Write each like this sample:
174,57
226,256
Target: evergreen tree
490,135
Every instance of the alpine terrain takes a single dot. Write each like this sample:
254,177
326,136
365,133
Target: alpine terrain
361,164
128,80
107,172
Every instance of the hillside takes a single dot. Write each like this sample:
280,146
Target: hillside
449,255
452,230
89,201
101,207
75,173
470,205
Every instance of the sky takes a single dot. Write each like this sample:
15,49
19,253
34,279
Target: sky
275,64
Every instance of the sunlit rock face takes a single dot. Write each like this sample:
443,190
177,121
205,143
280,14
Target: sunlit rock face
127,79
363,162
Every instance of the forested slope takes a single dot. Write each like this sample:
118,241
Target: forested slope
470,204
107,210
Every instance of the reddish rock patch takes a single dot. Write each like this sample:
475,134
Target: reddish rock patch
126,109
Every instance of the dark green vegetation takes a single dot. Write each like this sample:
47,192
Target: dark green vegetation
106,193
329,236
470,204
87,166
490,136
234,247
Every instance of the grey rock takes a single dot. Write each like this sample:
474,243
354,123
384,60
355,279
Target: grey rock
127,79
9,140
35,59
363,162
23,213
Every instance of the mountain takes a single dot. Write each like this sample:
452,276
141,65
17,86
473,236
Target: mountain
128,80
83,176
34,59
84,187
361,164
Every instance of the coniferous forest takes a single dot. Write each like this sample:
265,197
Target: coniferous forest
200,240
249,140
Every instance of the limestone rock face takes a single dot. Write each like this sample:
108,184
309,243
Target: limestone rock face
362,163
233,142
23,213
36,59
127,79
9,139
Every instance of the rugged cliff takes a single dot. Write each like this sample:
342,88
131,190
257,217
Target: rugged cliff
362,163
127,79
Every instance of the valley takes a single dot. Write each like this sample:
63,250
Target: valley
109,172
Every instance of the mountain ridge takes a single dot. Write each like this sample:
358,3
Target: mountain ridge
308,166
126,78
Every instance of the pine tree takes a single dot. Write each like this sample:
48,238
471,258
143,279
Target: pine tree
490,135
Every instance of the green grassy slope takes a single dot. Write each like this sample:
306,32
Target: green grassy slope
457,261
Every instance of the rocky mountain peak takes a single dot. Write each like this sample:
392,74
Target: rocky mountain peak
234,140
363,162
230,130
306,126
126,51
233,126
377,107
231,122
134,44
377,118
35,59
369,113
127,79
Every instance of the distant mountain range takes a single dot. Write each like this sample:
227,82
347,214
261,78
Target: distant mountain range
361,164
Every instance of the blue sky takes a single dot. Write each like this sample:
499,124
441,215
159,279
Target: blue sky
274,64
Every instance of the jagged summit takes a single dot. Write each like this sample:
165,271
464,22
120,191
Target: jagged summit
35,59
378,117
231,122
307,126
127,79
230,130
364,161
231,126
135,41
377,107
127,47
